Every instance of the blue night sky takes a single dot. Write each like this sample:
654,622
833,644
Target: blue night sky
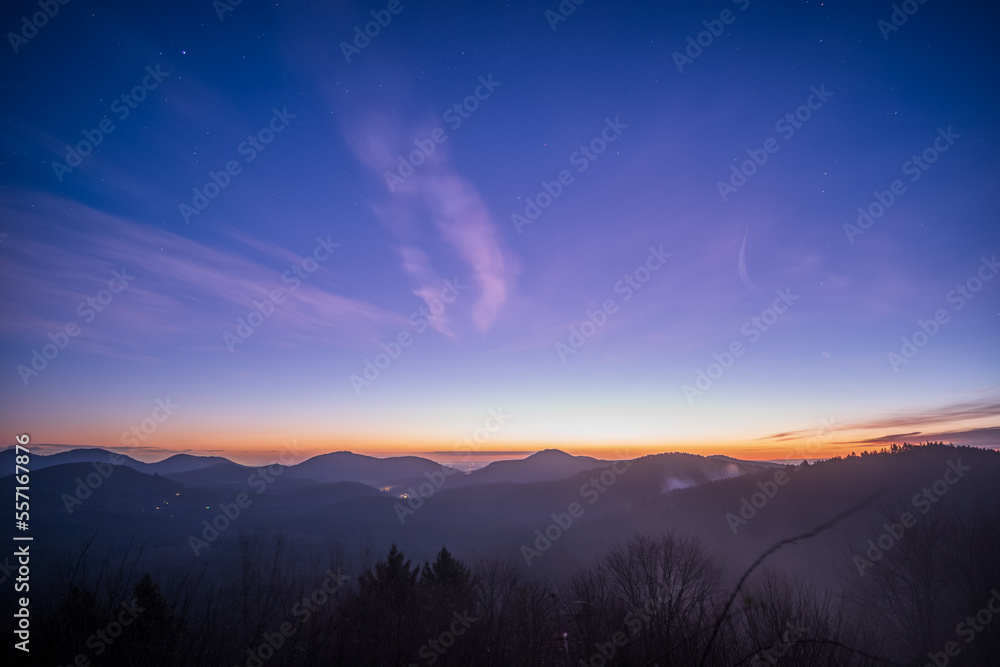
372,255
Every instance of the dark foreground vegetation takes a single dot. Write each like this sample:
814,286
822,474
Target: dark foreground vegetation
653,601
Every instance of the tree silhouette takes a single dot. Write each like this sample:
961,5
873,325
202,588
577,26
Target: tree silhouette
385,619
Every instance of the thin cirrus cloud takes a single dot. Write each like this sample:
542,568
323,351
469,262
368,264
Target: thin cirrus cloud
417,265
978,436
988,408
463,222
184,294
941,417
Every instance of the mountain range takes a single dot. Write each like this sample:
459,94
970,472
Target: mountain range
362,505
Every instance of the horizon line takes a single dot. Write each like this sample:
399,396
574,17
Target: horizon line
58,448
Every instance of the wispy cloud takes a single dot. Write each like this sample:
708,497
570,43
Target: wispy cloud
989,436
964,411
417,265
987,408
465,222
185,294
436,192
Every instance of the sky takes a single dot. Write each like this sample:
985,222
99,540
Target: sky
759,229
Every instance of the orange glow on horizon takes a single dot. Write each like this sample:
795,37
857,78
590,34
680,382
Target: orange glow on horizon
258,449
